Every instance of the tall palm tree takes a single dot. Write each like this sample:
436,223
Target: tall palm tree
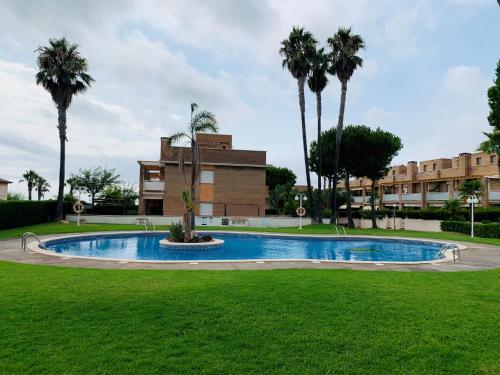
317,82
201,122
41,186
297,52
63,73
30,177
187,218
343,62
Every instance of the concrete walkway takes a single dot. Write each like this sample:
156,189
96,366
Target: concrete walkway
475,257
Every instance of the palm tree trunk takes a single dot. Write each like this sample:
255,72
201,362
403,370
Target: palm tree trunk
302,104
93,197
372,205
194,167
39,194
30,189
61,120
336,155
318,203
350,222
330,198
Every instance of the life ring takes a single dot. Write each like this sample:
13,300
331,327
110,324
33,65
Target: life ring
301,211
78,208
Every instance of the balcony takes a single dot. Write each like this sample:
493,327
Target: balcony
150,185
391,197
412,197
438,196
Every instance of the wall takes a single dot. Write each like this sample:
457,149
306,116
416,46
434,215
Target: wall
3,191
274,222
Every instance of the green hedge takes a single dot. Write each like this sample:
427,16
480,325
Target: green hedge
489,230
21,213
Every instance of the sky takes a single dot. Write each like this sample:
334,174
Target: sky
427,67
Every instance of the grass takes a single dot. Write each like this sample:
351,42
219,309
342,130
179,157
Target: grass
54,228
79,321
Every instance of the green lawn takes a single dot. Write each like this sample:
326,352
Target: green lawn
53,228
81,321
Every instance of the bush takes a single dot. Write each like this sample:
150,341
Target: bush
176,233
21,213
488,230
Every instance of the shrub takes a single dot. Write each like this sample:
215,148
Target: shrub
488,230
176,232
207,238
21,213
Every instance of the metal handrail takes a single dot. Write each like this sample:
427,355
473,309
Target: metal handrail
25,237
454,249
337,229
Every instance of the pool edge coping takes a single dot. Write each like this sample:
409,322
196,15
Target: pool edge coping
33,246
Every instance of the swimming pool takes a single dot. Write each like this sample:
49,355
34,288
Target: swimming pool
238,246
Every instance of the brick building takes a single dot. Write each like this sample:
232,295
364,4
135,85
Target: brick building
231,182
431,182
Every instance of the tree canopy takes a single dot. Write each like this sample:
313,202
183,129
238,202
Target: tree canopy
94,181
279,176
492,144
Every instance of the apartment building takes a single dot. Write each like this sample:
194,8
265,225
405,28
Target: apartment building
232,182
431,182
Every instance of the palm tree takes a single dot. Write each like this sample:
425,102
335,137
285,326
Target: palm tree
317,82
73,182
41,186
30,177
343,63
201,122
298,51
63,73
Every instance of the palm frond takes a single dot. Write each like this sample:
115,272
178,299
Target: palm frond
204,122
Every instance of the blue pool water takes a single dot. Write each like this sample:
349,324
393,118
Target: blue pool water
145,246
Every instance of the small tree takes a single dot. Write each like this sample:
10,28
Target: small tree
277,196
94,181
453,207
470,187
30,177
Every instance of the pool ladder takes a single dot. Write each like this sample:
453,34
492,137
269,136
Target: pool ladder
24,240
341,231
453,248
144,221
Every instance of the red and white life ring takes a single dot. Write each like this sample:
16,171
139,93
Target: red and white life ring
78,208
301,211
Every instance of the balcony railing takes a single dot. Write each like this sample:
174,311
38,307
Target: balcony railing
153,185
391,197
358,199
494,195
412,197
438,196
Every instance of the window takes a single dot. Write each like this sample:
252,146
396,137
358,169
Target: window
425,168
393,173
434,166
206,209
478,161
493,159
207,177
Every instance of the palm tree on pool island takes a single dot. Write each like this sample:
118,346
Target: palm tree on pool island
63,72
298,51
201,122
343,62
317,82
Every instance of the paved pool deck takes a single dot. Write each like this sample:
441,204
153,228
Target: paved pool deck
473,257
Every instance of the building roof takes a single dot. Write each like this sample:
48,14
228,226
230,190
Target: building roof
2,181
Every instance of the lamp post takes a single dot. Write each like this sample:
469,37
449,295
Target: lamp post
472,200
301,210
394,215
